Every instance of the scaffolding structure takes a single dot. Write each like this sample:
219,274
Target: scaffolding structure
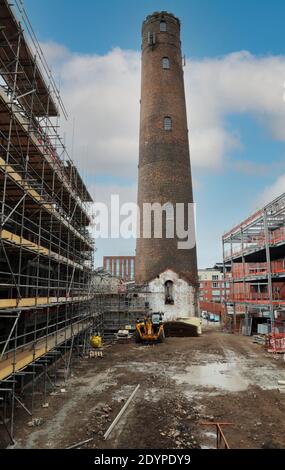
121,311
46,253
256,250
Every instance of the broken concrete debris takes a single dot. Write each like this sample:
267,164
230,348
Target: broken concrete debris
36,422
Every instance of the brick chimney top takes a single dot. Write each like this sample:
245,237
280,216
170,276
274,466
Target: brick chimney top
160,15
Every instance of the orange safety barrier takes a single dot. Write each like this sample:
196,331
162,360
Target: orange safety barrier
277,236
276,342
256,269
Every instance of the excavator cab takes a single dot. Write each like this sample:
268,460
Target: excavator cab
151,329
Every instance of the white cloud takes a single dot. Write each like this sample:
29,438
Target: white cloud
273,191
56,54
102,95
103,92
234,84
126,193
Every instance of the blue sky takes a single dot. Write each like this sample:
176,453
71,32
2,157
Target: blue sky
210,27
250,165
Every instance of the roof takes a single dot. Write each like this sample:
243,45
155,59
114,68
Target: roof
161,15
180,275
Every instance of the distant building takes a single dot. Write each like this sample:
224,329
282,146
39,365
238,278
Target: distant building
212,289
121,267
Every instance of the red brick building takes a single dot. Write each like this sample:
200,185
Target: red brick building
121,267
212,290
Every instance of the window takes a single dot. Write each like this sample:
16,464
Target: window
215,278
216,293
215,285
168,289
132,275
167,123
165,63
151,39
162,26
117,268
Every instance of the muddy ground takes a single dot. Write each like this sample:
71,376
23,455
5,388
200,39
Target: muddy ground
183,382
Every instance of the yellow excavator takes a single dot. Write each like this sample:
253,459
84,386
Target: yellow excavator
150,330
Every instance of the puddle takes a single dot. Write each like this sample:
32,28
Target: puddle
213,375
233,374
210,434
209,439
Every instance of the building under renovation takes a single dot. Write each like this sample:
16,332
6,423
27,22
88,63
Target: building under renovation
46,253
164,171
255,249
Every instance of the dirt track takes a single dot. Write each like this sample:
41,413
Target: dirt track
217,377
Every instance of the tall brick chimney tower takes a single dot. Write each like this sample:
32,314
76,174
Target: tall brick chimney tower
164,160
